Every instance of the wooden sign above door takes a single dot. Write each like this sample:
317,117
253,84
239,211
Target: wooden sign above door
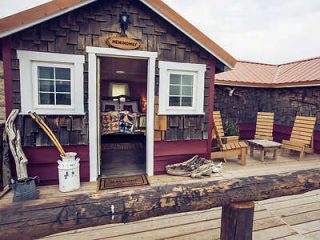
123,43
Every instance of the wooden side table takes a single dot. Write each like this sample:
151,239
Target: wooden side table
264,146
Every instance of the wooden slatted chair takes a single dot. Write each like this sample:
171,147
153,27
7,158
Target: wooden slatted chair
229,149
219,129
264,128
301,139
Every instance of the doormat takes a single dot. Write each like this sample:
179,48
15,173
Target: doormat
119,182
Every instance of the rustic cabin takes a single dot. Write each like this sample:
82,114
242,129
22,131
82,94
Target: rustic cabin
127,85
287,90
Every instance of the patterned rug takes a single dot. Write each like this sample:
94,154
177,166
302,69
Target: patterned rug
119,182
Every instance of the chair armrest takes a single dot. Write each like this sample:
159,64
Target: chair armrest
229,139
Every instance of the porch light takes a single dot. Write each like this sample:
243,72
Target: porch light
120,72
124,21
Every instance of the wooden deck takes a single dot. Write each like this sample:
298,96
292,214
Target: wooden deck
288,218
291,217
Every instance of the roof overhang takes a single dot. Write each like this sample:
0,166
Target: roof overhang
49,10
266,85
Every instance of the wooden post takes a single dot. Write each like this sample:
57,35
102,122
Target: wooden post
237,221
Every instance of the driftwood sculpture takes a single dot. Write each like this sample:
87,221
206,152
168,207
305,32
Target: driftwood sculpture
196,167
14,139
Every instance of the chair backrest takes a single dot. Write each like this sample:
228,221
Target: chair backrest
302,131
217,131
264,127
218,123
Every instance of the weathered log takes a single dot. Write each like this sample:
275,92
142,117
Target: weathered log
237,221
6,170
42,217
14,137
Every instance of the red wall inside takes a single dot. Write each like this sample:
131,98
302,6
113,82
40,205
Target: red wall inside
279,133
43,162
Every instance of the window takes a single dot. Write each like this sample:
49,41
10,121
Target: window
54,85
51,83
118,89
181,88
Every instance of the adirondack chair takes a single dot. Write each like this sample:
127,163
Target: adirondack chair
229,149
301,139
264,128
219,129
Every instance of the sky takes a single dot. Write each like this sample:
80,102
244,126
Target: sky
269,31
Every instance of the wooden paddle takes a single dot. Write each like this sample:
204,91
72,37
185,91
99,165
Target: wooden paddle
48,131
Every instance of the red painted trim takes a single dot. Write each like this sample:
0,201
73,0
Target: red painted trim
176,148
42,162
7,73
211,104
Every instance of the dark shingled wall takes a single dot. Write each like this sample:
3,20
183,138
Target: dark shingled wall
72,32
286,103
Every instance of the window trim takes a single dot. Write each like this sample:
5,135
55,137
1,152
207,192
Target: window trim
29,60
198,70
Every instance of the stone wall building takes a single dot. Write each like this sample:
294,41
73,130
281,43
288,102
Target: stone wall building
287,90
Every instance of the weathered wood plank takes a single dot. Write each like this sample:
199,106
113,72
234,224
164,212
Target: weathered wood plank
47,216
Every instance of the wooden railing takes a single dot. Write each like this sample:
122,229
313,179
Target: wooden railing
38,218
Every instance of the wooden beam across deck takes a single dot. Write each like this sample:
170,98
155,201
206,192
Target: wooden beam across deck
42,217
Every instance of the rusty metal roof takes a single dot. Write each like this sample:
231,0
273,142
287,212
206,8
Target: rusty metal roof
299,73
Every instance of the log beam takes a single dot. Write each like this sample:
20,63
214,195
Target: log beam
38,218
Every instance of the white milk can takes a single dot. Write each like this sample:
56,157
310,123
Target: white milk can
69,176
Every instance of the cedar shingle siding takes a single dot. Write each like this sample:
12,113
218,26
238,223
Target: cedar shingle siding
72,32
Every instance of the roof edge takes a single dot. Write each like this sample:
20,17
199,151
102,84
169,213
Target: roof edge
60,6
49,10
205,41
268,85
278,65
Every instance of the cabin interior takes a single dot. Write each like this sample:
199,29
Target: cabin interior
123,99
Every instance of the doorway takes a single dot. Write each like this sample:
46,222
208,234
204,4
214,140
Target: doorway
123,101
94,53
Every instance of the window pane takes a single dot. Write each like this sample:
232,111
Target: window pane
46,86
174,101
120,89
45,72
175,90
46,98
63,86
63,73
186,101
187,80
63,99
175,79
187,90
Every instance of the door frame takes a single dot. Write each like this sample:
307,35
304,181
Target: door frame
93,53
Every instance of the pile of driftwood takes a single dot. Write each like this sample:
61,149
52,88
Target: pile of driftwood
196,167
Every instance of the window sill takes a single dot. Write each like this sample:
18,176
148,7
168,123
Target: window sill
56,114
172,112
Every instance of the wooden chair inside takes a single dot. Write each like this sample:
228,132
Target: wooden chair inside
264,127
301,138
228,149
219,129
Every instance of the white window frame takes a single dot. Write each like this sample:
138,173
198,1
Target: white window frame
198,71
29,61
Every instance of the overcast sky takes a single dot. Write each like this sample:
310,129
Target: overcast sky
273,31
